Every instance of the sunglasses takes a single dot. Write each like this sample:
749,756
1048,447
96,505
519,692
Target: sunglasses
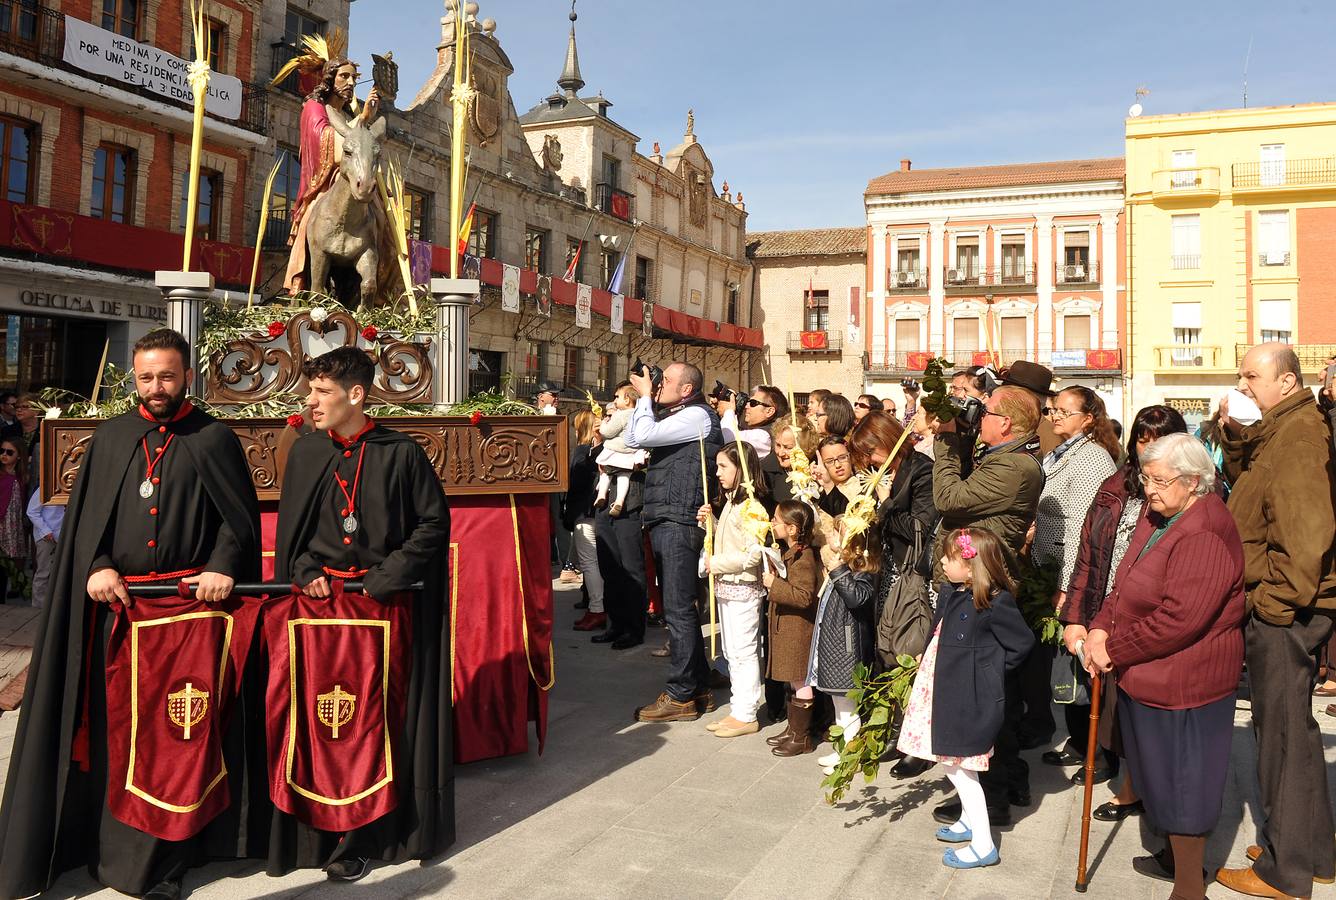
9,453
861,406
752,401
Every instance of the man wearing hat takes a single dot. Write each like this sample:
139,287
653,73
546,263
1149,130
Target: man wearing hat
545,401
1038,381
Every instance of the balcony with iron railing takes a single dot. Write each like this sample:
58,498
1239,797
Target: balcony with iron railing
1312,357
1185,186
1069,362
1285,176
969,280
276,230
614,201
906,281
816,342
1083,273
37,33
1176,357
1185,261
281,53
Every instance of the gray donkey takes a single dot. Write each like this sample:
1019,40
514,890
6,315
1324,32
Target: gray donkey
346,222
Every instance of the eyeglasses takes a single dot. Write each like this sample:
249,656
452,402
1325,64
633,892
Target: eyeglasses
1158,483
1058,414
837,460
861,406
752,401
989,412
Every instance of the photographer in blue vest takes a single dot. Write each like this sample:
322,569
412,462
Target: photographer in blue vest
670,419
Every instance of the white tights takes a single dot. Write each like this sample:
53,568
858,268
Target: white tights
846,717
973,812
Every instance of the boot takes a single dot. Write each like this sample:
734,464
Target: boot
776,739
800,730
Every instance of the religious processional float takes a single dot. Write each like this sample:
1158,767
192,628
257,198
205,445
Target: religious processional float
497,461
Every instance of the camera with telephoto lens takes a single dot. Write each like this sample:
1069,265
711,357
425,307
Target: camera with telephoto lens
653,373
970,415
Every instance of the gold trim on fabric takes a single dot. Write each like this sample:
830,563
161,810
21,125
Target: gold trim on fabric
384,626
524,619
134,705
454,611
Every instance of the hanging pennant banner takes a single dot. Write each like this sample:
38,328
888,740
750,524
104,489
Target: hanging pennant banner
510,289
647,324
617,313
544,296
584,306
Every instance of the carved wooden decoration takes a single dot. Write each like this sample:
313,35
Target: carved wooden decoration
499,455
253,367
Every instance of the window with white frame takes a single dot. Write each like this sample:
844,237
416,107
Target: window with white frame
1187,334
1273,237
1274,321
965,333
1014,330
1272,159
1186,236
1185,169
967,258
1076,332
906,335
1075,257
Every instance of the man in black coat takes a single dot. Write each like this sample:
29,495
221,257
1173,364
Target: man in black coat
163,488
358,497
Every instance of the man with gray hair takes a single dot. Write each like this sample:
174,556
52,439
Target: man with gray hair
1281,468
674,423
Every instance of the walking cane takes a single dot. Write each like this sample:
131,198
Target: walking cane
1092,747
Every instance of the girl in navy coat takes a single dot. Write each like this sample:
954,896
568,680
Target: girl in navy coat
956,706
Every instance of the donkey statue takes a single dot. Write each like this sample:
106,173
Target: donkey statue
348,227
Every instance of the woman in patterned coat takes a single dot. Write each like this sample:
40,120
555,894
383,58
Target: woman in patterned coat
1073,473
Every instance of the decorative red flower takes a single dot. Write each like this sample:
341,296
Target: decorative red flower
295,420
276,329
369,333
475,417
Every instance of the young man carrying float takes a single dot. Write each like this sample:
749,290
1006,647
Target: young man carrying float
359,685
118,760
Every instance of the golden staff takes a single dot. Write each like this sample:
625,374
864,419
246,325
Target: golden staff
101,371
709,551
461,96
198,76
264,222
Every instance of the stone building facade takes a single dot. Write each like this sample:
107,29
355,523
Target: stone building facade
809,290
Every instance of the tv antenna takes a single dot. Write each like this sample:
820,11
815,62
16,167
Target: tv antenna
1136,108
1246,60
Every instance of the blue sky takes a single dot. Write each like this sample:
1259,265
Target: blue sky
800,104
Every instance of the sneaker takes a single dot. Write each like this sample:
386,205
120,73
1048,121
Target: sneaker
666,709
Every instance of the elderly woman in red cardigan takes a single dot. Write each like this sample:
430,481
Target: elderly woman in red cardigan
1172,632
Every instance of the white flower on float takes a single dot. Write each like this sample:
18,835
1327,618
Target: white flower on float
319,314
93,412
52,412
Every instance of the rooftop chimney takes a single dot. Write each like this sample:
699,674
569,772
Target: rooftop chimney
904,165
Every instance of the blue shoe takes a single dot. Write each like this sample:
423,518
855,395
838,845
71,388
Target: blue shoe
955,862
954,837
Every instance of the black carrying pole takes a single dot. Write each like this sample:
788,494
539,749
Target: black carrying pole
171,590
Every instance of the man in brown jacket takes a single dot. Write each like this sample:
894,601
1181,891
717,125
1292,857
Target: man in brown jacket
1281,468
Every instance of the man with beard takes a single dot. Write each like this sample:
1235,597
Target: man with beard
321,149
163,494
363,503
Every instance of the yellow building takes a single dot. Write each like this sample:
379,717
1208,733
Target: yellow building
1231,240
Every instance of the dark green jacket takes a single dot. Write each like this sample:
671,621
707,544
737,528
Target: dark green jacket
1001,494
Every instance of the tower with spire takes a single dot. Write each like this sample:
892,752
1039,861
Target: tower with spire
593,148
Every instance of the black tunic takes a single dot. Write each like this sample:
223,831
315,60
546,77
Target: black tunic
402,537
54,816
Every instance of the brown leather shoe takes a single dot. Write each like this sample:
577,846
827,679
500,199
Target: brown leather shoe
666,709
1246,881
704,701
1255,851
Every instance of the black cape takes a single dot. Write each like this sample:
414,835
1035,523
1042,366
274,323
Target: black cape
48,821
400,494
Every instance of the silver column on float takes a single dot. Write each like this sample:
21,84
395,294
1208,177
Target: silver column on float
186,293
454,299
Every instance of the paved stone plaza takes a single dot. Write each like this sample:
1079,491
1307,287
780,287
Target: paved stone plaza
615,809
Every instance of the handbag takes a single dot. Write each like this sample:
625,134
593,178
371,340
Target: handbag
1070,682
906,618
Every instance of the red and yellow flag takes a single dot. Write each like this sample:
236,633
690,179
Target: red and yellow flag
465,229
